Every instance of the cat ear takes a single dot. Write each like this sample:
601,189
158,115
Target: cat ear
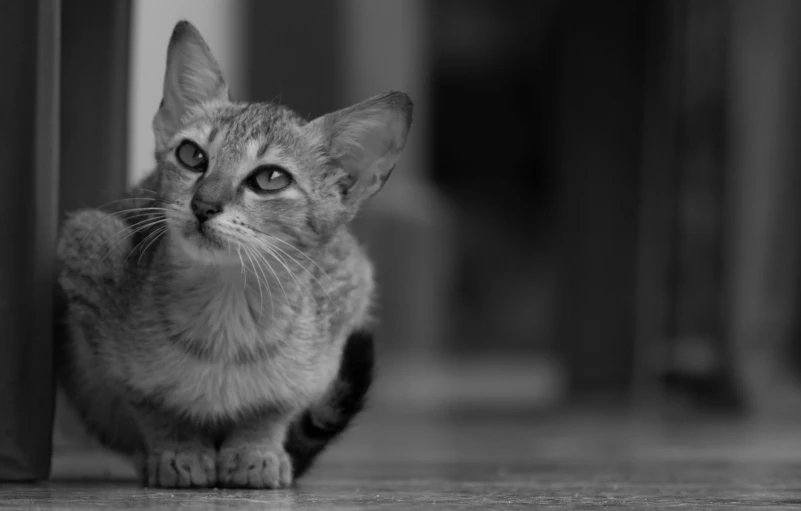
192,77
366,141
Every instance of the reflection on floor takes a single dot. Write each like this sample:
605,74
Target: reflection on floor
469,461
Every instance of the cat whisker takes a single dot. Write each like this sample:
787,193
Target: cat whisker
133,249
107,204
241,262
248,254
276,253
261,294
140,226
277,278
143,211
302,266
301,252
255,252
159,232
133,227
139,209
266,247
272,248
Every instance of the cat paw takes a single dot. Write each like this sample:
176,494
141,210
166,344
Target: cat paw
190,467
254,467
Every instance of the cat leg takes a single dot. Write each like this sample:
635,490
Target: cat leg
253,455
177,453
91,249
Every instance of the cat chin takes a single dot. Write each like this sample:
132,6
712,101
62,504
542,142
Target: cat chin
197,248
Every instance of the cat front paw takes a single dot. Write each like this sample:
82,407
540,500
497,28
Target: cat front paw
254,467
180,467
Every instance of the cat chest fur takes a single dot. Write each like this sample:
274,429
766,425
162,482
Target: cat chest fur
211,391
220,352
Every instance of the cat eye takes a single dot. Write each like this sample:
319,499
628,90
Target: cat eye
269,179
192,156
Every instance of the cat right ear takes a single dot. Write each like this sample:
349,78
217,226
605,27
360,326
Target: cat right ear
192,77
366,140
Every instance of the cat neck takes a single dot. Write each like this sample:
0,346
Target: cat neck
220,312
260,284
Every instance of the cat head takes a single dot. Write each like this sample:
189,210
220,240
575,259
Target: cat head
237,174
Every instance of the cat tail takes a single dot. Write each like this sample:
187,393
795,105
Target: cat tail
322,423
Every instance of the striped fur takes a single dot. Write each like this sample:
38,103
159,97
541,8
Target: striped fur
316,427
228,352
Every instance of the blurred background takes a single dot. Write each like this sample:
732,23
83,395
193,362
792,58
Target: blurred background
597,206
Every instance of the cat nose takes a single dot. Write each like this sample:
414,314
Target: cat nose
204,210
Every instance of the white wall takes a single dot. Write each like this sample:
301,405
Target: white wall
764,246
385,47
220,22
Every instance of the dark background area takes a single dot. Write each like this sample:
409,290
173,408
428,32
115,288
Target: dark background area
613,212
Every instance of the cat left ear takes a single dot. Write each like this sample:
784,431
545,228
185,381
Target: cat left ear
192,77
366,140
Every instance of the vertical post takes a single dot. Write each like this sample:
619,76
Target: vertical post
600,114
657,198
94,78
700,356
94,84
385,45
765,246
29,110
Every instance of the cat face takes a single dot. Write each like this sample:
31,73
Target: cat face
243,179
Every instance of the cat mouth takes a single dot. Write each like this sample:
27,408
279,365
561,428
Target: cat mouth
204,236
206,245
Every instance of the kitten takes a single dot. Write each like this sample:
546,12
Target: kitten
215,322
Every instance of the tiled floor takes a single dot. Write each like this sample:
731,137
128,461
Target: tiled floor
466,461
